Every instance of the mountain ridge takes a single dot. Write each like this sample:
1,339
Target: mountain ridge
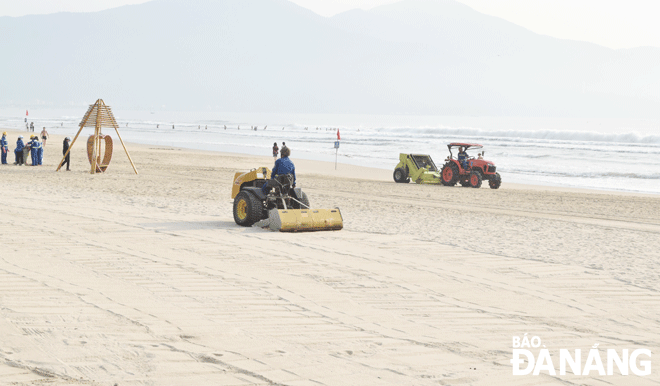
273,55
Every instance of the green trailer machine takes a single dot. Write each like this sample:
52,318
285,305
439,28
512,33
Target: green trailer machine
417,167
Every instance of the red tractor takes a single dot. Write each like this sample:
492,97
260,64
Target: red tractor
467,170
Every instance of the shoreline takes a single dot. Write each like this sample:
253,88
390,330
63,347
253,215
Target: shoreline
324,167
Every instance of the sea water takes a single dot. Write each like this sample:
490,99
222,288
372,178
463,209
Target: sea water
605,154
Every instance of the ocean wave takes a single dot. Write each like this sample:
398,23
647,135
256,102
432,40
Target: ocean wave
590,175
553,135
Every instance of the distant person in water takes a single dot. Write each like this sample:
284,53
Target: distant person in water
44,136
480,156
276,150
32,127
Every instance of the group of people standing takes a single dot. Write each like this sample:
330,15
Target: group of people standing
34,148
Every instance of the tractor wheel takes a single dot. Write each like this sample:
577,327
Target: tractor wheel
247,209
400,175
475,179
449,174
495,181
304,200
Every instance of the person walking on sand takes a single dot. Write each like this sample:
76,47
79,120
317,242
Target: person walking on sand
65,147
4,148
32,127
276,150
18,151
44,136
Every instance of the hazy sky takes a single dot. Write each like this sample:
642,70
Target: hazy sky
611,23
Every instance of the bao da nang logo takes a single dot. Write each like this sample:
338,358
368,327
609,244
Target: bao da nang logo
597,361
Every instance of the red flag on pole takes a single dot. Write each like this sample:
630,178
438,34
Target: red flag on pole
26,113
338,137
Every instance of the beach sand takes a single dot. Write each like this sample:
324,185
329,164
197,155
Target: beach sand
145,279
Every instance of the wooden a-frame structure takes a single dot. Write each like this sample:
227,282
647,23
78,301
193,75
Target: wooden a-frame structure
97,116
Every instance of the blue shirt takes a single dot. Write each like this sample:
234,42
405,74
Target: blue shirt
19,145
3,141
284,166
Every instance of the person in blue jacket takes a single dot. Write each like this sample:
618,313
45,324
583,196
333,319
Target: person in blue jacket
35,147
283,166
30,145
4,148
462,157
18,152
41,151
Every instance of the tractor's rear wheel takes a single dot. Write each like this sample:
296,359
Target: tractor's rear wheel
247,209
475,179
495,181
304,200
400,176
449,174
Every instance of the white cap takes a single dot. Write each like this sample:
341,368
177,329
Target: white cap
68,138
20,136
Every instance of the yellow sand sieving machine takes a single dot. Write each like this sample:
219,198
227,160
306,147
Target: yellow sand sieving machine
285,208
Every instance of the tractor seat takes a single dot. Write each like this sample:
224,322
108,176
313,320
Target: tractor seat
283,181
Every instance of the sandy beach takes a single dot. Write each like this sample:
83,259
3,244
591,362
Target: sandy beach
145,279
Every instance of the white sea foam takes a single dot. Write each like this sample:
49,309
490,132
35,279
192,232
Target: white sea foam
548,135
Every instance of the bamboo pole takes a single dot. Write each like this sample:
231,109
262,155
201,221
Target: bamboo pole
95,145
103,116
69,149
126,150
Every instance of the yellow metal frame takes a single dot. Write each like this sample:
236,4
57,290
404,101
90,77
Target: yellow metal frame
252,175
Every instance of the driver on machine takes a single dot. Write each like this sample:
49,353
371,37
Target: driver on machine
462,157
282,167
